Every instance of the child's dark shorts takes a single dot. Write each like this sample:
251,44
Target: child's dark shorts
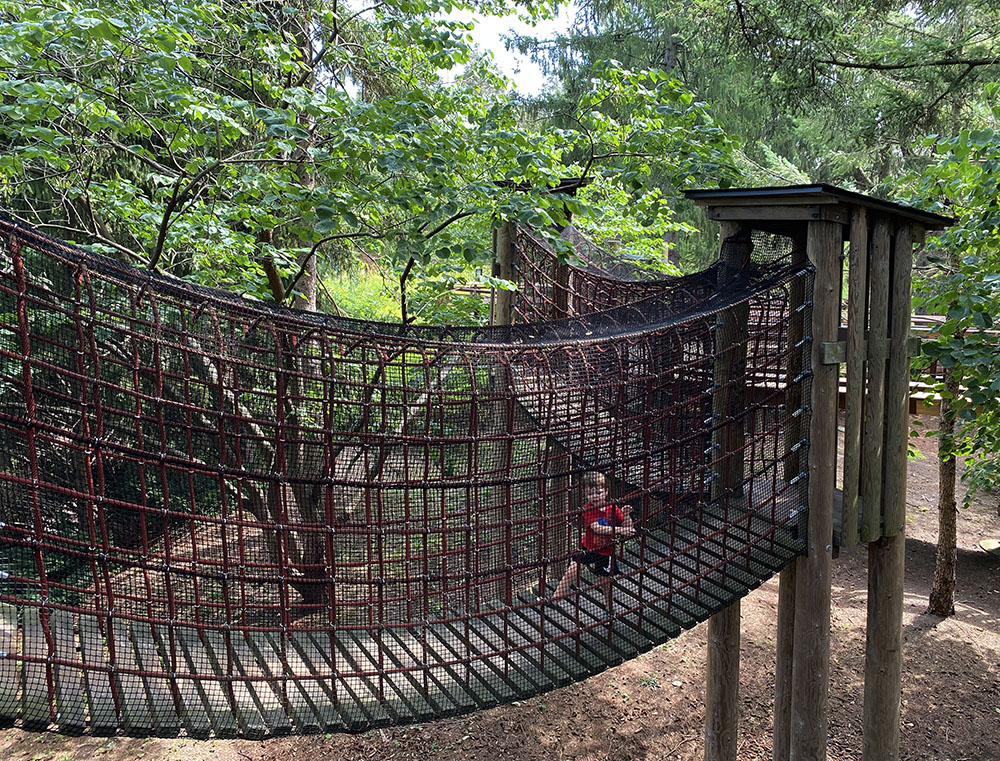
599,565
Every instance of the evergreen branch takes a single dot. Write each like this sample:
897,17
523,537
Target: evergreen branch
873,66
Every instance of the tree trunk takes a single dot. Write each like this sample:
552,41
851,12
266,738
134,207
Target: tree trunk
942,599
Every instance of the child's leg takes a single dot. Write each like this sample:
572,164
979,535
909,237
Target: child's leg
569,578
609,597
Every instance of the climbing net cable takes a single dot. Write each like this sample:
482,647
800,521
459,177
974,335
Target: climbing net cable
223,517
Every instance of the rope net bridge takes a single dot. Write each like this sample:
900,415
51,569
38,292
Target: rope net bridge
226,518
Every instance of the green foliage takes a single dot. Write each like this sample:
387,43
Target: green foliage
448,293
646,240
839,90
364,294
962,282
222,140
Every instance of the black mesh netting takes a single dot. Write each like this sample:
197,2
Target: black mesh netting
227,518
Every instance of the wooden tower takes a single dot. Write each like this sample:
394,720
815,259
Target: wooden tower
880,238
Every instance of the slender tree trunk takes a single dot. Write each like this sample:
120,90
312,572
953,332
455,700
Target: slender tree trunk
304,388
942,600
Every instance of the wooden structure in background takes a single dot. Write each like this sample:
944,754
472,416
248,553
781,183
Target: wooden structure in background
881,238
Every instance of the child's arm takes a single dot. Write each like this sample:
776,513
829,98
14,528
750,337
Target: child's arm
627,529
600,526
624,530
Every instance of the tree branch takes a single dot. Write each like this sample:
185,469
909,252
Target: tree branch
451,220
873,66
402,290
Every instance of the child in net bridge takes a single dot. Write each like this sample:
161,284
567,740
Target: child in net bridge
603,523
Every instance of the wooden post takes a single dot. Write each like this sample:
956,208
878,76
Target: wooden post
503,314
856,291
723,668
811,637
897,425
883,649
504,256
781,742
560,291
722,694
793,466
878,333
886,557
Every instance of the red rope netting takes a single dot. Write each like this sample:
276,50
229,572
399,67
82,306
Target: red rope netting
225,517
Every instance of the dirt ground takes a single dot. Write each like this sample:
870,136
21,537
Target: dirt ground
651,708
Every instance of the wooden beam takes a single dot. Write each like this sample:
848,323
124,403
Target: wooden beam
878,331
886,557
763,201
784,636
898,384
835,352
729,373
560,291
783,665
857,290
722,695
883,649
831,213
811,637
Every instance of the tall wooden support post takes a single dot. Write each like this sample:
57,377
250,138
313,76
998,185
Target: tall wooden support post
793,466
723,669
560,292
784,649
876,424
811,637
883,649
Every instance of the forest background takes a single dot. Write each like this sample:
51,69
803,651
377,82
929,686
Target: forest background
353,156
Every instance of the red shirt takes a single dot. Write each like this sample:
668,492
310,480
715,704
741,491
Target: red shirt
607,515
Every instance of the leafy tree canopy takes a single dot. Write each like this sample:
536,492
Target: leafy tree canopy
962,283
227,141
840,89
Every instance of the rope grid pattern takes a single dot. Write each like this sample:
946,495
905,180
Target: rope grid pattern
226,518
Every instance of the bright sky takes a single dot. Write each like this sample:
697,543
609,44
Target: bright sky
489,33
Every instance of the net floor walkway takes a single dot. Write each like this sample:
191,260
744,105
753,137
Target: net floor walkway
108,675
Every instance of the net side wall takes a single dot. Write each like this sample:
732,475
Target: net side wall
178,465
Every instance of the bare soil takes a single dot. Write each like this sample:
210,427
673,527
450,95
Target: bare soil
651,708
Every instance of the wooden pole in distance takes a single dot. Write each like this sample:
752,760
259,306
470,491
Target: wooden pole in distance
504,256
886,556
723,668
503,314
811,637
560,292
